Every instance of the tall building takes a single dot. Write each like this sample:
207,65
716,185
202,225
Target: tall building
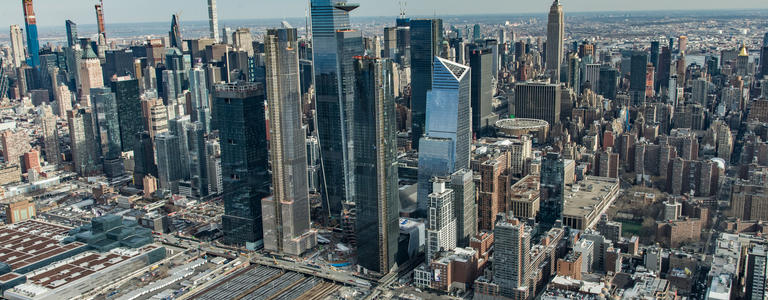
86,156
655,53
168,161
33,44
555,36
481,63
763,68
100,19
448,121
464,206
104,106
375,164
441,221
239,109
286,212
334,47
637,77
552,189
143,159
512,241
71,33
175,34
47,120
757,270
128,110
90,72
17,46
573,78
426,37
199,102
537,100
213,21
608,82
198,160
663,70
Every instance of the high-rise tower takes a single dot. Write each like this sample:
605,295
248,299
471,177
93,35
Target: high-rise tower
555,35
511,258
100,19
175,33
17,46
426,36
286,212
334,47
552,189
33,44
71,33
375,165
241,122
213,21
446,143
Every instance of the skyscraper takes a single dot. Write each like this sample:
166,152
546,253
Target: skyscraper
143,158
555,36
441,221
198,167
464,206
198,89
426,37
33,44
17,46
538,100
552,189
71,33
175,33
86,153
239,109
655,53
47,121
757,270
100,19
107,123
375,165
286,212
90,72
663,70
574,73
637,77
448,125
168,161
213,21
334,47
128,109
481,62
512,241
763,70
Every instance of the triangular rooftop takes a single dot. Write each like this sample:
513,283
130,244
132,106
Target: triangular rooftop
456,69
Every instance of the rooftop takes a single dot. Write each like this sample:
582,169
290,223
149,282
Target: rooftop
586,197
32,242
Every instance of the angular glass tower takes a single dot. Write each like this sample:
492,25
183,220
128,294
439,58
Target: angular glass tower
128,109
334,47
240,119
375,165
108,130
286,212
448,125
426,36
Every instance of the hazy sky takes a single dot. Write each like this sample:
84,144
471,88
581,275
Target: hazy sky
54,12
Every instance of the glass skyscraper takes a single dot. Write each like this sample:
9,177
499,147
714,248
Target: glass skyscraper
334,47
448,125
552,189
241,122
286,213
426,36
108,129
375,165
128,111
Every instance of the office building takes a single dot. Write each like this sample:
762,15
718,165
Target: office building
441,222
104,106
512,242
555,36
175,33
376,198
86,152
199,102
756,272
213,21
71,33
448,133
128,110
637,77
143,159
286,212
239,109
47,121
481,63
18,55
552,189
91,75
168,161
535,100
197,164
573,78
608,82
334,47
464,206
426,38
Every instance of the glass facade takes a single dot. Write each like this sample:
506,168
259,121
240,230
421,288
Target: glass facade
553,189
426,36
168,161
334,47
448,117
244,160
128,109
375,165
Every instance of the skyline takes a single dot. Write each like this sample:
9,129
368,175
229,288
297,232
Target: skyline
51,13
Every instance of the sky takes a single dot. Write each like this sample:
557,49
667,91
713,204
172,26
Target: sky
55,12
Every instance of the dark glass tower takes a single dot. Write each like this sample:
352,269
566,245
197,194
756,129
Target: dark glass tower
175,33
655,53
375,165
334,47
481,62
33,44
426,36
609,79
637,77
71,33
662,71
128,111
552,188
144,158
108,129
240,119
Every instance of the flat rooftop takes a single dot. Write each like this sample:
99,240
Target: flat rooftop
588,197
32,242
527,189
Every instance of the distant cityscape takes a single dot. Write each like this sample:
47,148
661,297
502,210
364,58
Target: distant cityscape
556,155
